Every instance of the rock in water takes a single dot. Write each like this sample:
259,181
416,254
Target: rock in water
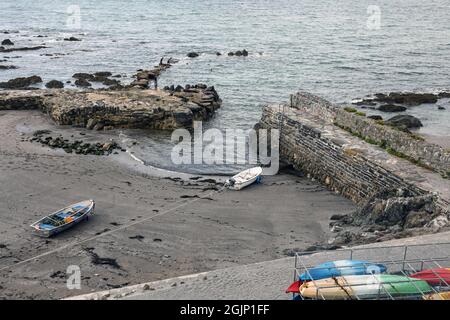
444,94
7,42
391,108
407,98
103,74
84,76
192,55
83,83
72,39
375,117
404,121
54,84
20,83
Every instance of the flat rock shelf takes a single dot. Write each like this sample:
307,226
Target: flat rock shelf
107,109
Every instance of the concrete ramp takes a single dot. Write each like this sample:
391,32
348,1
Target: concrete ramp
265,280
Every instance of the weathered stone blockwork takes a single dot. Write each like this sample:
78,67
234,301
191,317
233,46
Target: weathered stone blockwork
342,169
310,140
424,153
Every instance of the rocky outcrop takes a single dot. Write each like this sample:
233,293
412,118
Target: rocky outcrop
391,108
239,53
7,67
386,215
84,79
77,146
7,42
404,122
19,83
20,101
192,55
408,98
83,83
6,50
144,77
375,117
107,109
404,98
72,39
54,84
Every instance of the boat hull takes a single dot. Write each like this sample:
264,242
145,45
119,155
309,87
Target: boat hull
434,277
335,269
244,179
364,287
342,268
86,209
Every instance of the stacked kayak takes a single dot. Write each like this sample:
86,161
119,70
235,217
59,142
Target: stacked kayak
336,269
438,296
434,277
357,279
374,286
342,268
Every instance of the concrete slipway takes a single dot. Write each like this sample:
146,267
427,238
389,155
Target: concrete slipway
265,280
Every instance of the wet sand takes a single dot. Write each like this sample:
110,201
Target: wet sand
189,227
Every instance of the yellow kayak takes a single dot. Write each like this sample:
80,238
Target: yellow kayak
438,296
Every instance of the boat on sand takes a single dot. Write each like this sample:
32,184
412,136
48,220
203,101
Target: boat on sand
244,178
64,219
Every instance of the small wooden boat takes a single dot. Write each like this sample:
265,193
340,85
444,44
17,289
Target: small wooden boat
434,277
64,218
335,269
381,286
244,178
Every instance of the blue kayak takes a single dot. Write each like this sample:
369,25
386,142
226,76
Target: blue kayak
342,268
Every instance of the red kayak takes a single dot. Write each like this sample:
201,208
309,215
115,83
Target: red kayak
295,287
434,277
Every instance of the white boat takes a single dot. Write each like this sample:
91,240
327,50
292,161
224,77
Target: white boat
64,218
244,178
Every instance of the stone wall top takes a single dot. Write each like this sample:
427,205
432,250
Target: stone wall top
400,143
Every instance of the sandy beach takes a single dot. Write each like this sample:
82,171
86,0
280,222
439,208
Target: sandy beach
181,225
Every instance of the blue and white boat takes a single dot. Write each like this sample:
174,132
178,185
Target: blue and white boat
64,219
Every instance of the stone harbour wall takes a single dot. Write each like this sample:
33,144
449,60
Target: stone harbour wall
328,159
398,142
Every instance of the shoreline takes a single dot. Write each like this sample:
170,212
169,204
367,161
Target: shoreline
227,229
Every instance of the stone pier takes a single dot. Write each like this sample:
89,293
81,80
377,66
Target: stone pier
354,155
